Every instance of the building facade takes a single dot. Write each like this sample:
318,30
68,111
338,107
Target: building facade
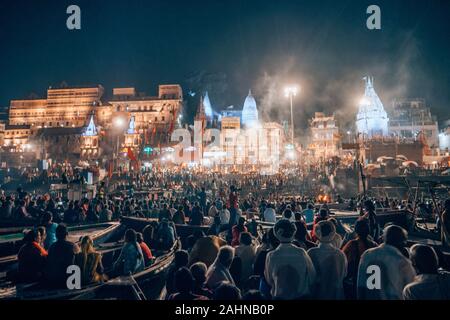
372,119
325,137
72,107
409,117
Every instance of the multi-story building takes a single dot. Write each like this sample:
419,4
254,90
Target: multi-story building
71,108
63,107
16,137
260,144
151,114
408,117
325,137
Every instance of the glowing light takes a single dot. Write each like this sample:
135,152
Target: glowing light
119,122
250,112
291,90
363,101
289,147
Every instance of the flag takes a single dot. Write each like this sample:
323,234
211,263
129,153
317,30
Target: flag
131,155
110,169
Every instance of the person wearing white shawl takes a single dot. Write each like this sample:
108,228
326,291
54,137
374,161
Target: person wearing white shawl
330,264
219,271
289,271
390,271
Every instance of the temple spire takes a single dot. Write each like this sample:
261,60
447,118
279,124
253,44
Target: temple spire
371,119
207,107
90,130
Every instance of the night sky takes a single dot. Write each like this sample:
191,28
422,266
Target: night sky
230,46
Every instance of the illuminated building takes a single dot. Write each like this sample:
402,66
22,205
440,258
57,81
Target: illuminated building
325,137
249,112
69,109
132,139
64,107
15,137
245,142
372,119
155,117
408,117
89,141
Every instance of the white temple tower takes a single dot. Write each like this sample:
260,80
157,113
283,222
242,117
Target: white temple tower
89,141
250,112
372,119
208,108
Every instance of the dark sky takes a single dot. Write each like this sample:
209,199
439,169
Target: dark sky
323,45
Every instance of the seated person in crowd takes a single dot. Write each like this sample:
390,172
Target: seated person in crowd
60,256
429,284
148,256
227,292
131,259
184,284
180,260
198,271
31,257
90,262
219,271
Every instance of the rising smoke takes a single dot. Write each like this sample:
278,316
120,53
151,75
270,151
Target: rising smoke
337,93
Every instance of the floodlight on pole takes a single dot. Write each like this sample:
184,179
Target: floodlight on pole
290,92
119,122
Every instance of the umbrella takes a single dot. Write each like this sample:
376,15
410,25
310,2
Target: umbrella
410,164
384,158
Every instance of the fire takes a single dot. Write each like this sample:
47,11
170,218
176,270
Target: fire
323,198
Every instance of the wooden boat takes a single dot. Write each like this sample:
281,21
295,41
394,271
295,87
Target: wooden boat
38,291
124,288
398,217
183,230
13,223
19,228
100,233
144,285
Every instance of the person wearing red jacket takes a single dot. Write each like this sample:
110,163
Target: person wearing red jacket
237,230
148,256
32,257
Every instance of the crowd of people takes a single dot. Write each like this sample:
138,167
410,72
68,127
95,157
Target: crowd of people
258,245
290,262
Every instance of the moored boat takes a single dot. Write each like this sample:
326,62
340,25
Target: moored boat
151,280
100,233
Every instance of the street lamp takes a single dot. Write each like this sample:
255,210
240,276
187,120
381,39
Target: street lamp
119,122
290,92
